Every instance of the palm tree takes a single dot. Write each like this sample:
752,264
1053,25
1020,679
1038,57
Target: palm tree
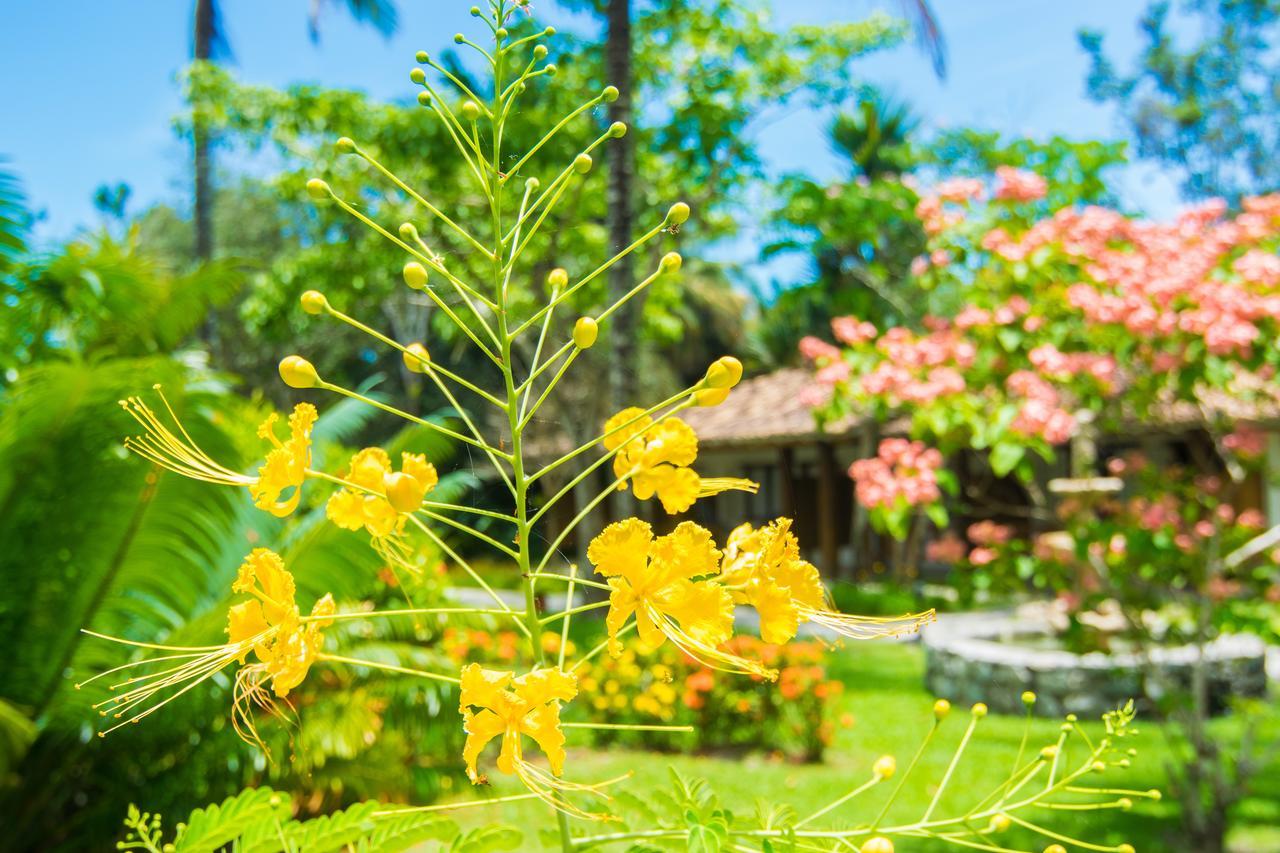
209,45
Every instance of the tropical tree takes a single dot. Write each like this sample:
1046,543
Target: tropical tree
1209,110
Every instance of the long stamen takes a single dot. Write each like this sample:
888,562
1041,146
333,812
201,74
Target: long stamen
177,452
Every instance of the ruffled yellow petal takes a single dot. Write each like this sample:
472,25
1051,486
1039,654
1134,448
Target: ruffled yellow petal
481,687
622,603
285,467
368,467
543,725
481,727
245,622
345,508
417,467
704,610
779,621
622,436
672,442
545,685
621,549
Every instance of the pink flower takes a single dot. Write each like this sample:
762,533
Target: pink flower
989,533
1251,518
815,348
1247,441
1019,185
982,556
919,265
948,549
852,331
901,472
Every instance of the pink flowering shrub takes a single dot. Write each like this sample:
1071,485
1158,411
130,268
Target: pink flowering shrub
1042,321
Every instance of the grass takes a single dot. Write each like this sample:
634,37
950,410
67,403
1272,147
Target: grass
892,713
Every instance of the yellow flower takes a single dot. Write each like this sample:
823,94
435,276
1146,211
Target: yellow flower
665,583
283,471
378,495
269,626
764,569
655,459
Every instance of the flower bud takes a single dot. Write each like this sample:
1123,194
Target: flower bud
678,214
470,110
423,56
724,372
313,302
549,31
1028,698
424,99
532,184
979,710
1125,805
540,51
418,76
1098,767
500,33
1071,718
940,709
557,278
1000,822
551,69
345,145
582,164
416,357
710,396
407,231
671,262
415,275
403,491
609,95
475,11
878,844
885,766
459,38
297,372
318,189
618,129
1154,794
1055,848
585,332
1049,753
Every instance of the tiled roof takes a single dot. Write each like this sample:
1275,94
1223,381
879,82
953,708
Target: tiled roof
763,410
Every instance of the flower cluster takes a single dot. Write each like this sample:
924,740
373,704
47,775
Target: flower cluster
902,472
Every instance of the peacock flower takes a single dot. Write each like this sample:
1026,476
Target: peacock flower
498,704
763,568
376,496
281,473
666,583
269,626
655,458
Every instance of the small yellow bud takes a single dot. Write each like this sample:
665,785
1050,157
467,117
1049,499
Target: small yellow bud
585,332
609,95
1098,767
1049,753
671,262
551,69
1055,848
403,491
345,145
558,278
415,275
710,396
979,710
879,844
1125,804
540,51
885,766
549,31
1071,718
724,372
297,372
582,164
678,214
1125,848
313,302
941,708
470,110
407,231
618,129
418,76
423,56
1154,794
500,33
459,38
1000,823
416,357
424,99
1028,698
318,189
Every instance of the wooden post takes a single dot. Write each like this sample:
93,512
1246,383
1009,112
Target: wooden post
828,540
786,470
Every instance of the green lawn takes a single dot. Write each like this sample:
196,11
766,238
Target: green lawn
892,713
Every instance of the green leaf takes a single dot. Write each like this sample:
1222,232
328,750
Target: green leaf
488,838
937,514
211,827
399,832
1005,457
333,831
703,839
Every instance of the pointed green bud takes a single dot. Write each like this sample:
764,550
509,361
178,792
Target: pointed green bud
585,332
475,11
416,357
540,51
618,129
609,95
418,76
319,190
678,214
297,372
415,275
345,145
671,262
582,164
470,110
407,231
557,278
313,302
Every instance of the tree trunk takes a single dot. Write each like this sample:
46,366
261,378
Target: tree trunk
621,335
203,50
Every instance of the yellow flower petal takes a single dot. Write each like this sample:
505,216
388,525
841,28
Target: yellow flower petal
346,509
625,434
622,548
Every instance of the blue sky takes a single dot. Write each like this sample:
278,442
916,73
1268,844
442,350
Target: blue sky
90,86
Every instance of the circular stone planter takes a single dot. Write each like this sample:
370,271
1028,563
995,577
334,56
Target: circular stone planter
992,658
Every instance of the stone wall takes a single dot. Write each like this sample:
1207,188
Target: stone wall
983,660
